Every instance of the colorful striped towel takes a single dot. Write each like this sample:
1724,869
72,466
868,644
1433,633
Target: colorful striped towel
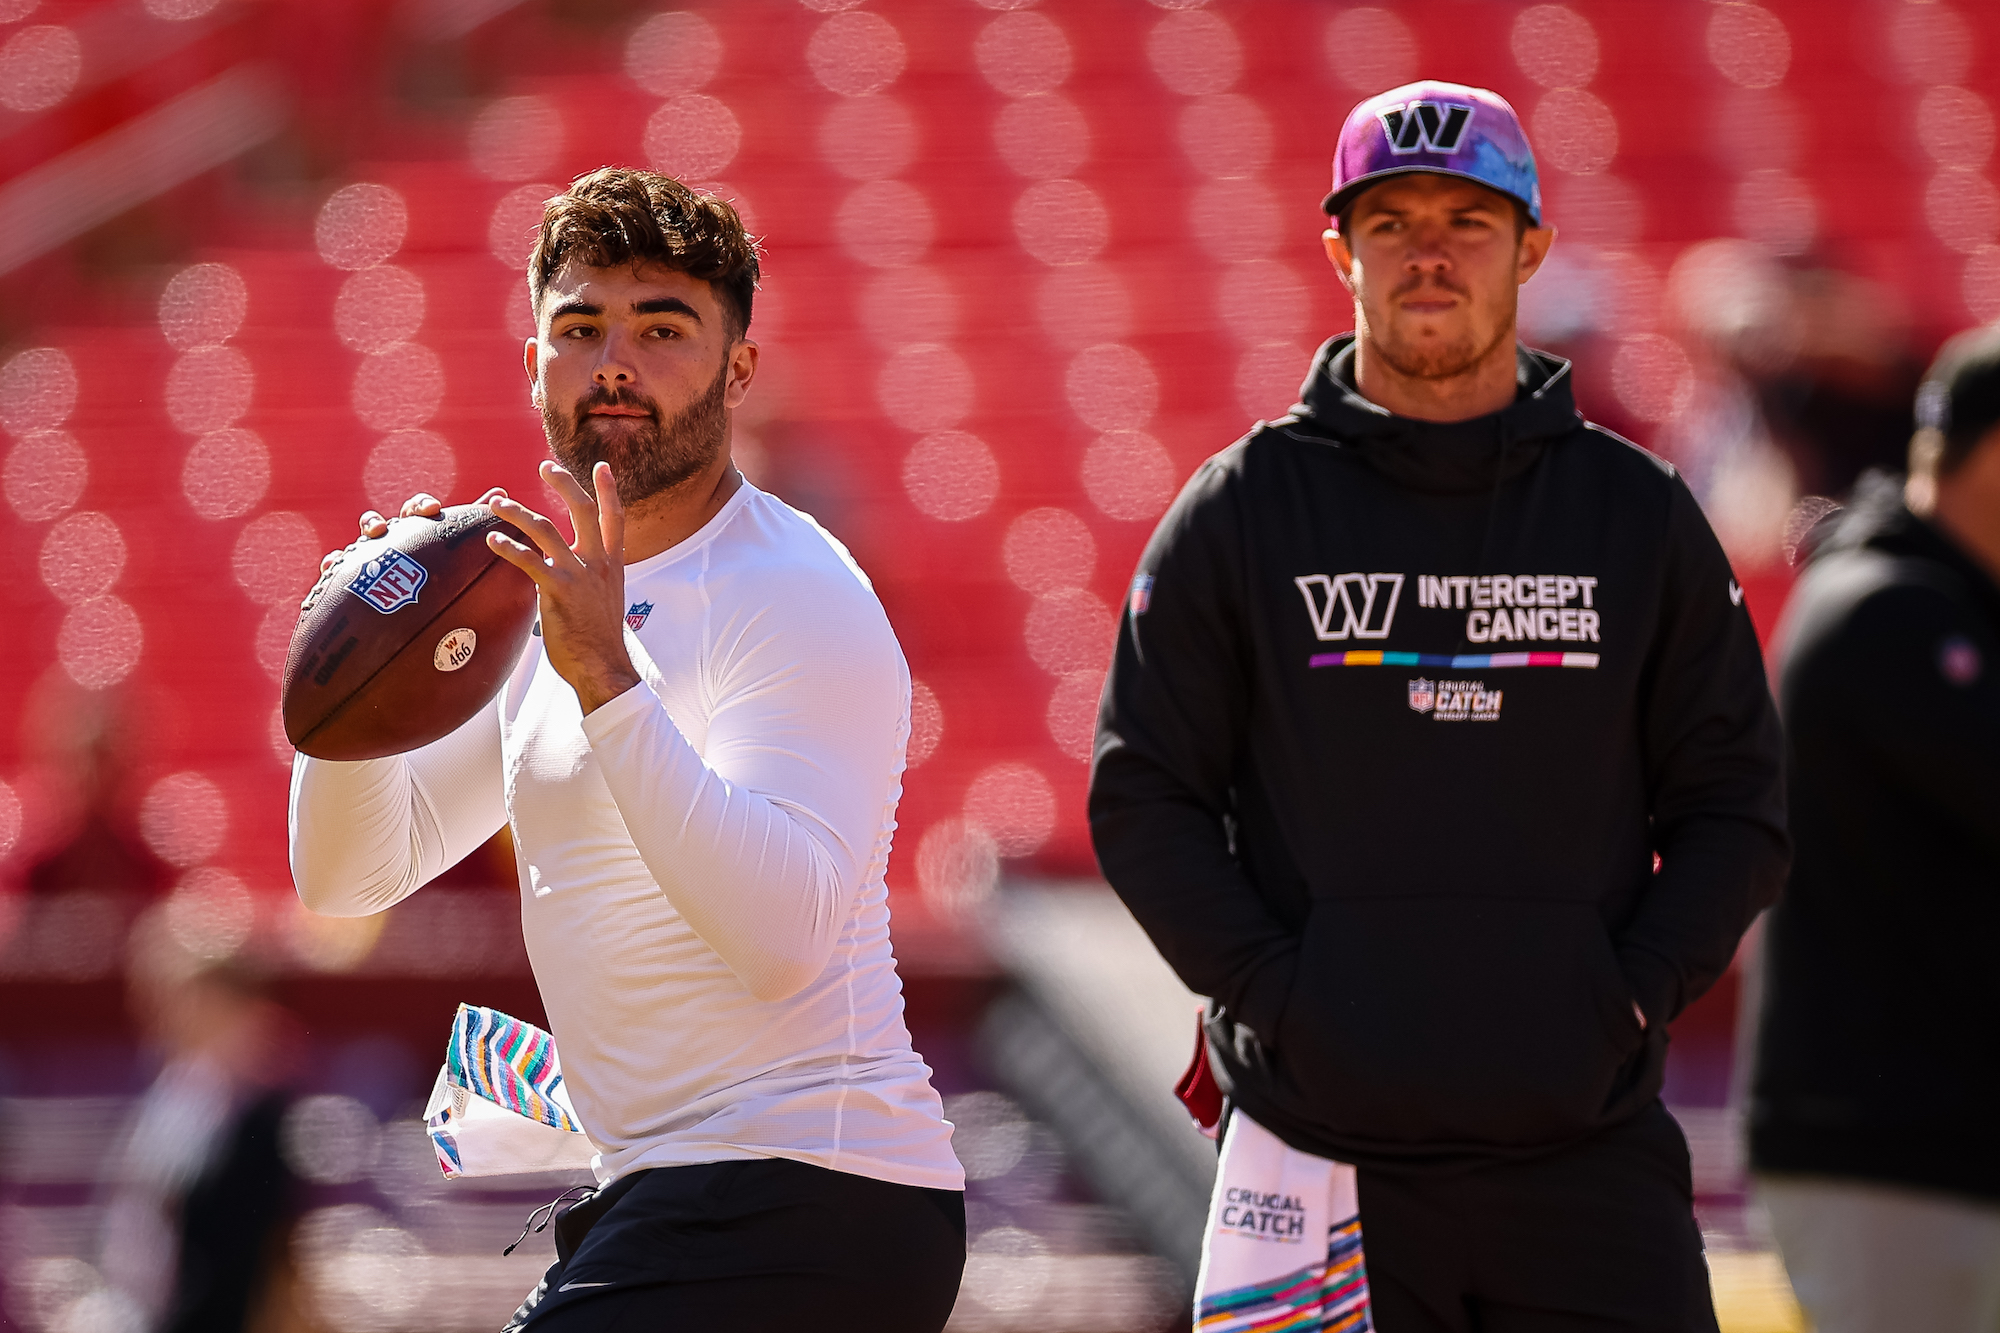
509,1063
499,1106
1263,1268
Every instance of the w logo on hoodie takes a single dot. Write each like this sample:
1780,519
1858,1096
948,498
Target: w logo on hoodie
1359,605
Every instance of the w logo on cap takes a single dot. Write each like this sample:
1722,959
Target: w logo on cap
1425,127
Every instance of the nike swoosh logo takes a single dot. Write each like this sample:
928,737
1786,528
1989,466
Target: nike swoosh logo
1735,593
572,1286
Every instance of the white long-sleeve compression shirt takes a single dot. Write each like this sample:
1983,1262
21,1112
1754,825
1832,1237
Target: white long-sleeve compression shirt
701,859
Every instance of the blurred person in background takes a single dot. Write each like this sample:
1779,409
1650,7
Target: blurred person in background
1402,827
1824,354
1877,1071
1837,399
699,754
87,868
84,745
196,1234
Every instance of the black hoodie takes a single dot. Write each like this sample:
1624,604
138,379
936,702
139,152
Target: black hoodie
1880,1048
1400,715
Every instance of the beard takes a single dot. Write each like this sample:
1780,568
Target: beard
1434,358
647,455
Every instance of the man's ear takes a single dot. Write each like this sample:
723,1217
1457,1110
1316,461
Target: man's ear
742,369
1534,248
1339,256
531,361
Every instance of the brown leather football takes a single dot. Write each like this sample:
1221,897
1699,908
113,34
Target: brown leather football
406,637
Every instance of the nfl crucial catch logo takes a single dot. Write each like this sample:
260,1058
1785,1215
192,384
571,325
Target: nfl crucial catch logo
389,582
635,615
1425,127
1466,701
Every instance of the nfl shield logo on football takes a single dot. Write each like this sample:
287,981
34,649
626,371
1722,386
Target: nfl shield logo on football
1423,695
635,615
389,582
1142,594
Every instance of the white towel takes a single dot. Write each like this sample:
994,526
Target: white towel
1282,1253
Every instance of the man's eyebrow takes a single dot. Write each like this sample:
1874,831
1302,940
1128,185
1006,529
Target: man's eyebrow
575,305
666,305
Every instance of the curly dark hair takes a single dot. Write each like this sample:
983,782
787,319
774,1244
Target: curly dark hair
617,215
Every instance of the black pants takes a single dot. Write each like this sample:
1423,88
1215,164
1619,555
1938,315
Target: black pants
766,1244
1598,1237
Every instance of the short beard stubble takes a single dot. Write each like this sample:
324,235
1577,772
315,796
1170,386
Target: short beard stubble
1443,361
645,459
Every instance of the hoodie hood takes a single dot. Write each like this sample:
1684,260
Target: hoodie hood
1877,519
1452,457
1875,516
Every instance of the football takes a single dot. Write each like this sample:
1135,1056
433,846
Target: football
406,637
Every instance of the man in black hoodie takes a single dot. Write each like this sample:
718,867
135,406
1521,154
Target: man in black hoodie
1878,1072
1437,751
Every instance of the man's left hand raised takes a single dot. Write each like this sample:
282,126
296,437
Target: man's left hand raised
582,584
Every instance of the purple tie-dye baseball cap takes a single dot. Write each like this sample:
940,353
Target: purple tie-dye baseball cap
1446,128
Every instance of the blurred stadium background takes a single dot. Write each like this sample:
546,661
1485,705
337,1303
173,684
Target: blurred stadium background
1028,263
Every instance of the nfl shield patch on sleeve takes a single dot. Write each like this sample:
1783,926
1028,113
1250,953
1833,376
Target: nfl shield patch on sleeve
1142,594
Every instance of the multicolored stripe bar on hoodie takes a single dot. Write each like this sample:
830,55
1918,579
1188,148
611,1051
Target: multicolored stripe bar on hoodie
1457,662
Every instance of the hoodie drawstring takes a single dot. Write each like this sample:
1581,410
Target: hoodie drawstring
582,1191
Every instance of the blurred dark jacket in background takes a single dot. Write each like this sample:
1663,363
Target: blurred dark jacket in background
233,1222
1879,1051
197,1230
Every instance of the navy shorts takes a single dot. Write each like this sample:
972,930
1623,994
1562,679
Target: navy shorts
753,1245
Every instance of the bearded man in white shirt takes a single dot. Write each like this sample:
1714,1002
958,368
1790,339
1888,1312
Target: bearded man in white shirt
700,754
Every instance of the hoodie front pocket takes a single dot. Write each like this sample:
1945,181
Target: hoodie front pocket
1455,1020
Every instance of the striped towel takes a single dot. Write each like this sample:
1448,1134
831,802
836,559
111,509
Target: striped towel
1263,1268
499,1106
509,1063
